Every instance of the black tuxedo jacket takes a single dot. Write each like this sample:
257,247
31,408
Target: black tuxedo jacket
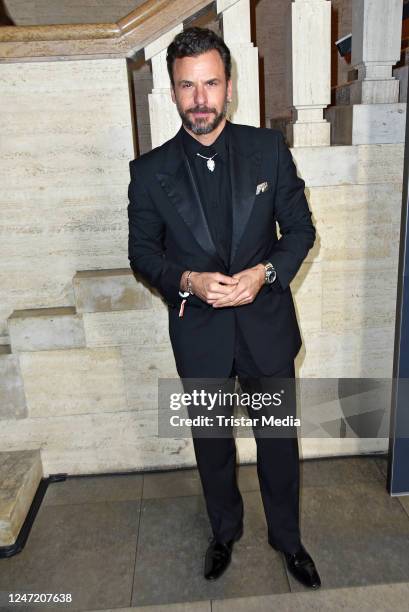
168,234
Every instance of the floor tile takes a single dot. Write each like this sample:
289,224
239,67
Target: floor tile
172,541
381,462
356,534
172,483
189,606
84,549
179,483
338,471
404,501
92,489
379,598
314,472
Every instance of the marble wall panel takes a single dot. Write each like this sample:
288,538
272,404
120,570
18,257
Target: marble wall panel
64,169
72,382
12,396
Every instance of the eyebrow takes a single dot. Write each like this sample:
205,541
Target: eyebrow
207,81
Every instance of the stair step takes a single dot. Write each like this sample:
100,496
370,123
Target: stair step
108,290
42,329
20,475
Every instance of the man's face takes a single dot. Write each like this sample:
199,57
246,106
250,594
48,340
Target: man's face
200,91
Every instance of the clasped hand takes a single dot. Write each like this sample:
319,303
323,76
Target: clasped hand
221,290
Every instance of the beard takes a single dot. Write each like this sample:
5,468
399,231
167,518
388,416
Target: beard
202,125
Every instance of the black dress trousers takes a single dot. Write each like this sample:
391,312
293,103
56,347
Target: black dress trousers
277,455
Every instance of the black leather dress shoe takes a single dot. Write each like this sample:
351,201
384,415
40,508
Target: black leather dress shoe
302,567
218,557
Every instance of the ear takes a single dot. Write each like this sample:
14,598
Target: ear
172,94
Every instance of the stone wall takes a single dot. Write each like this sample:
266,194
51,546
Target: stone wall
80,382
66,142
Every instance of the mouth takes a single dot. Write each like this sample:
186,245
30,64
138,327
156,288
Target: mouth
201,113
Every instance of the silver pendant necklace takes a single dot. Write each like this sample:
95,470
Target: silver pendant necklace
210,163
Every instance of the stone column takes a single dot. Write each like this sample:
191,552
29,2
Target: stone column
376,42
164,117
311,67
245,105
372,113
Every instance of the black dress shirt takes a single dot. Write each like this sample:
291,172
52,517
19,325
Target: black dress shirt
214,187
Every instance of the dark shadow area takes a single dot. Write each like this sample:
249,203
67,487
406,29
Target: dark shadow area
5,19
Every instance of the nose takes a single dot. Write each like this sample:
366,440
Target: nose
200,95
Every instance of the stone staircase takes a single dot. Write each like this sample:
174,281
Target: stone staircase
20,475
78,386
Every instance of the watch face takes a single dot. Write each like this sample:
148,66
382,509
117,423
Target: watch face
271,276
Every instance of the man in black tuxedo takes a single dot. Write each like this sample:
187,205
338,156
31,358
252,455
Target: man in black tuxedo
202,213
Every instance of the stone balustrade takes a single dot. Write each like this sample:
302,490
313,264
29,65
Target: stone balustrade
373,113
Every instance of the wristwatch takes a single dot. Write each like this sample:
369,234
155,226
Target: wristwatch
270,273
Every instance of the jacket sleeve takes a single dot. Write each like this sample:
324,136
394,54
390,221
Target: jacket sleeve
146,252
294,219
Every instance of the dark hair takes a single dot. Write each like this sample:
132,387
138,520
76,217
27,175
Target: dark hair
195,41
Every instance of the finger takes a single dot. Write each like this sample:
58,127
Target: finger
244,301
213,298
223,278
245,295
231,299
236,292
220,290
217,291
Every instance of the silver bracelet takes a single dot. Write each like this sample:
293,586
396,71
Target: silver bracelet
189,290
189,283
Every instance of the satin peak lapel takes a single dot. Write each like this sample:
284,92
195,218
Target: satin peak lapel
182,192
244,171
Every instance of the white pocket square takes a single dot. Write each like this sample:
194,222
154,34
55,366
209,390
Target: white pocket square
262,187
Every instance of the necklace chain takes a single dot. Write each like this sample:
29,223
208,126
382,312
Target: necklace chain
204,156
210,163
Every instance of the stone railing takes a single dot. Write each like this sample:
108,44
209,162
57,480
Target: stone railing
372,112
